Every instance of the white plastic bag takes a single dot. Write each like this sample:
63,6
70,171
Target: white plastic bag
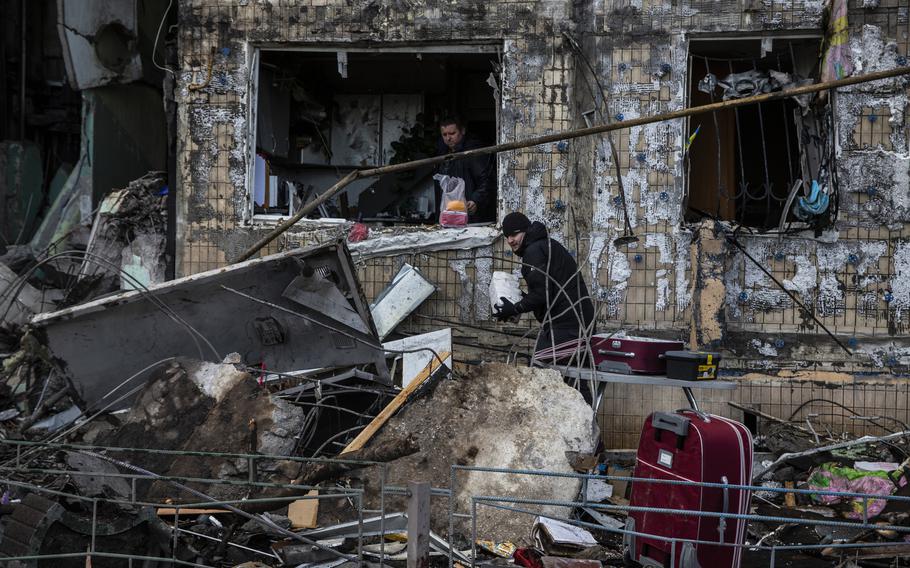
504,285
453,211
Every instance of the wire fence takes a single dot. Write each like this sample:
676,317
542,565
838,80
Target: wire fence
465,505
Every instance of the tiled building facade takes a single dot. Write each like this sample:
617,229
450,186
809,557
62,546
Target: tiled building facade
553,65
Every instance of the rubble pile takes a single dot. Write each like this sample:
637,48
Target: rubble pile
265,414
126,248
36,390
196,406
867,469
495,416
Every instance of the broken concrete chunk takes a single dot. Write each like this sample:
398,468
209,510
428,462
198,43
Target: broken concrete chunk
497,416
101,485
141,262
209,407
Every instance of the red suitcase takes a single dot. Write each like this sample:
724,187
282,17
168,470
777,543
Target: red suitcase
632,354
690,446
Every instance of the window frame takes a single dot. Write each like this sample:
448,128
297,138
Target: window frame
249,217
699,38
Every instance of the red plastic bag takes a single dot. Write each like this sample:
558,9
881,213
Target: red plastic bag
359,232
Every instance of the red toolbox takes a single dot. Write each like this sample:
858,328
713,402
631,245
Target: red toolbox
631,354
695,447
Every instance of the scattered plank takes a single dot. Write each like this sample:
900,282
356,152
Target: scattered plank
367,433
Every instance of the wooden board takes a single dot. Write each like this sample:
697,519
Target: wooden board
304,512
397,402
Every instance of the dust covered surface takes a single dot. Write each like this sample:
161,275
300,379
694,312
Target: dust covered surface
173,412
496,416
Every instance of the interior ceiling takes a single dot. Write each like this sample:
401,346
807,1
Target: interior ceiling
748,48
284,57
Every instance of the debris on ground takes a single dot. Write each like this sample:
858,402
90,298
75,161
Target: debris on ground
258,415
494,416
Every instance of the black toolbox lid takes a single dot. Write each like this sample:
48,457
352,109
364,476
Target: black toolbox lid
698,356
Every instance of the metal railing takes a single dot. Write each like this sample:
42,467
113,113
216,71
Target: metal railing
22,477
509,503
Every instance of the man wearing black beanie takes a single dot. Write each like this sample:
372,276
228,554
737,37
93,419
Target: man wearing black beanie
557,293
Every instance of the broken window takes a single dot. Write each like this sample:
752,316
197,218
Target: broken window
763,165
323,114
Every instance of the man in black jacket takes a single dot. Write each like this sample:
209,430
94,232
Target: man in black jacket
477,172
557,294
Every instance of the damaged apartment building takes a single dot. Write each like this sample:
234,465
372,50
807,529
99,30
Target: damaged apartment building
773,232
223,272
758,230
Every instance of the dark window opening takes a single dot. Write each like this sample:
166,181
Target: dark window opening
750,164
321,115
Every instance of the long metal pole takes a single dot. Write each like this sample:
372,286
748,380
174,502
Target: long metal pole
304,211
567,135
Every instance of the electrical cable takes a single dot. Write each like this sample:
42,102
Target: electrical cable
901,423
139,287
157,36
628,234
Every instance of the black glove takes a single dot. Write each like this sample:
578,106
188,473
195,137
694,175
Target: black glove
505,309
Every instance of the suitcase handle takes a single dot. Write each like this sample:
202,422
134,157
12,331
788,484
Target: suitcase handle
616,353
675,423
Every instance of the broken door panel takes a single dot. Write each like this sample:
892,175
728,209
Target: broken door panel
240,308
100,43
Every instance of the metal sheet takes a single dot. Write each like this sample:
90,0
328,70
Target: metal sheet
402,296
319,294
100,42
105,341
425,241
425,347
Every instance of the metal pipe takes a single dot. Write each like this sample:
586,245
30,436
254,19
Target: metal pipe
567,135
194,453
707,484
234,544
99,554
600,527
689,513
